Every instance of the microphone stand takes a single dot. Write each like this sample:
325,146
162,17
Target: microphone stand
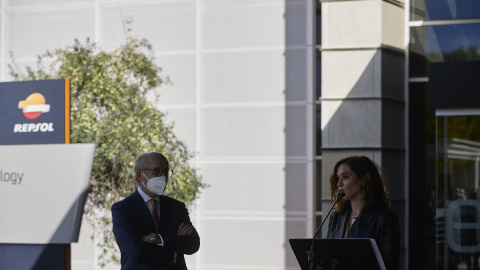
312,261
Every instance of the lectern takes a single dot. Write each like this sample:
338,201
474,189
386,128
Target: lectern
338,254
43,190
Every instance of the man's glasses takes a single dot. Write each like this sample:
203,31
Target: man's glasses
159,171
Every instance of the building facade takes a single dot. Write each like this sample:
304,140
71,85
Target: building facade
269,94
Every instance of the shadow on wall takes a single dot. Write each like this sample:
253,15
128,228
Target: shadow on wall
369,120
362,112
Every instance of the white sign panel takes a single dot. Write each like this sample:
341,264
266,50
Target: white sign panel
42,192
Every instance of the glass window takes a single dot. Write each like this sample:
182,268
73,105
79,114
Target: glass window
319,185
443,43
318,131
444,9
318,198
318,74
457,201
318,25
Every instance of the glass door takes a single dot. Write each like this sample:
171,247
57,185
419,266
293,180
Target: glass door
457,195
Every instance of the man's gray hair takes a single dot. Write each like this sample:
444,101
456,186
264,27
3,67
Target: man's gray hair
141,160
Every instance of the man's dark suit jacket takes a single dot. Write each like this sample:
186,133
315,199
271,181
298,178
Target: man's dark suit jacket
379,224
132,219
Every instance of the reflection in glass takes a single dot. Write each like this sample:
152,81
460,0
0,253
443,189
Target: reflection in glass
443,43
444,9
418,61
457,194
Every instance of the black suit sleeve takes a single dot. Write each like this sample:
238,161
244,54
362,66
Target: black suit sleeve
128,237
184,244
389,240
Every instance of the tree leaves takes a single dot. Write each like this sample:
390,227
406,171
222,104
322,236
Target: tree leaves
109,107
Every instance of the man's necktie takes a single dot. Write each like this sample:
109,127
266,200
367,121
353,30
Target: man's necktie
153,212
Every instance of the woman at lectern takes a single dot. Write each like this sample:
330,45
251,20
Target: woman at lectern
364,212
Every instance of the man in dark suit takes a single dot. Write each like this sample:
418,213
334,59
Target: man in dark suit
153,231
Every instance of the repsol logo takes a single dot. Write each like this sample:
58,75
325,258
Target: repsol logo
14,178
29,127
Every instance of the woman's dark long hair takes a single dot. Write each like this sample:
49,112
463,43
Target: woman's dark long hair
375,194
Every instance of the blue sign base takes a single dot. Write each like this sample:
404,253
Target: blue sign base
34,256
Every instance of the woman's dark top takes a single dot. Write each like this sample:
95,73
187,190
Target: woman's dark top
380,224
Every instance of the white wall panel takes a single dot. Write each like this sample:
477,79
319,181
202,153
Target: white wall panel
240,24
393,33
244,244
168,25
295,188
29,33
296,22
351,74
182,71
239,132
23,3
296,132
246,189
294,229
358,24
296,75
244,76
184,121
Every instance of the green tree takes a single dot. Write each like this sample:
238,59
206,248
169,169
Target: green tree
110,93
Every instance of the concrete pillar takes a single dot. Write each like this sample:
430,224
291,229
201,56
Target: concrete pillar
362,99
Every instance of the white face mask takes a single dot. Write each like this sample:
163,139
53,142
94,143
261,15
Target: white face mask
156,184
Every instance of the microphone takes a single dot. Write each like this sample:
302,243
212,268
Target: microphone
311,253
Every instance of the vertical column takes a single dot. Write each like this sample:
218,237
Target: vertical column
363,90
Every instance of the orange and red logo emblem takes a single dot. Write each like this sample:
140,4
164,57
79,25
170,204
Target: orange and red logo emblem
34,105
